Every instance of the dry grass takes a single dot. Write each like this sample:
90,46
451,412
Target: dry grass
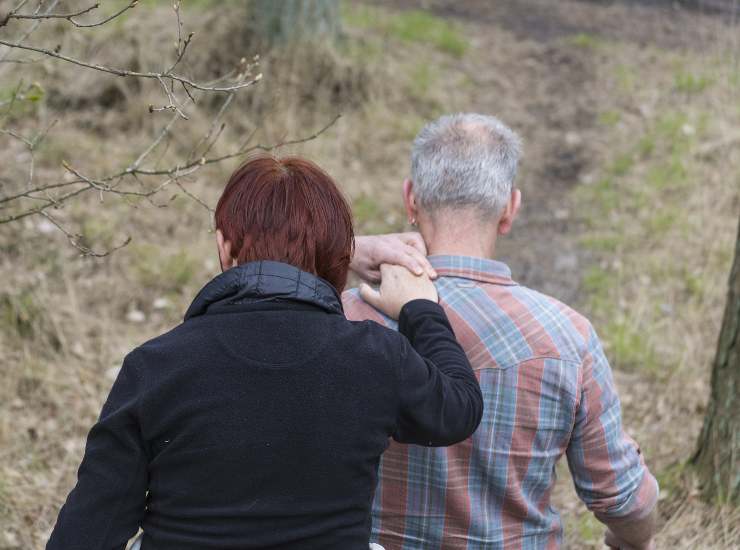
654,126
661,212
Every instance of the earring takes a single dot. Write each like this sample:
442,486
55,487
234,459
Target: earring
412,222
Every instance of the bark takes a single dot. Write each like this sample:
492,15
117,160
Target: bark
294,21
716,459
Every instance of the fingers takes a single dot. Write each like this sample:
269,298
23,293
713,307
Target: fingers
414,239
421,262
400,255
370,295
404,249
417,248
371,276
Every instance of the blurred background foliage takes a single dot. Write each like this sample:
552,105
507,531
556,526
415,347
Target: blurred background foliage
629,112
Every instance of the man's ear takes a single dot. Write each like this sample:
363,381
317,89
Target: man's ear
510,212
224,251
409,201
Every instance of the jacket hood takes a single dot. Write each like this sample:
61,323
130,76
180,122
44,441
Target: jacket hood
265,280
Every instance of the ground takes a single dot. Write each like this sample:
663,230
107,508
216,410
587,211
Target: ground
628,112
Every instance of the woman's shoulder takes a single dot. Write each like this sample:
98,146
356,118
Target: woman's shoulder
179,341
368,338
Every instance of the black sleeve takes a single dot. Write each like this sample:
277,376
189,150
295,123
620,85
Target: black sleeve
440,399
106,506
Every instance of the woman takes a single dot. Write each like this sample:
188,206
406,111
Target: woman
259,421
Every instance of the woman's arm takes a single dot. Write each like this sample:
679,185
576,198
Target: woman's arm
440,399
108,503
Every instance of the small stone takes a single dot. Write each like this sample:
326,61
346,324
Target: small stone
210,264
11,539
78,349
572,139
161,303
73,446
45,227
135,316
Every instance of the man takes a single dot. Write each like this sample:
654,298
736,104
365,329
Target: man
547,386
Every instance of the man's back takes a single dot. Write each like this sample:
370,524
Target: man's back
548,391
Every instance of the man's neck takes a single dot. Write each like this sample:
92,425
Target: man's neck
461,248
459,235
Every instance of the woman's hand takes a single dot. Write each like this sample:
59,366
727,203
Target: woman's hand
404,249
398,286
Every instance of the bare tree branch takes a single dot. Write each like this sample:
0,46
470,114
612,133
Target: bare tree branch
238,85
68,16
144,177
76,240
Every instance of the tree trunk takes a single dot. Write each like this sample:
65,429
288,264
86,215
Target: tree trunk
718,450
294,21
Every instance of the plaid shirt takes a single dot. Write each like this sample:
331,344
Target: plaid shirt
548,391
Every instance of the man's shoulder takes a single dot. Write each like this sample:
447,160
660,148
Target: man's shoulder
570,329
539,302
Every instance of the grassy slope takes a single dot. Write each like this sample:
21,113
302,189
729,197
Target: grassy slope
661,212
658,201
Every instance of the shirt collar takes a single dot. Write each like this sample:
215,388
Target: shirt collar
470,267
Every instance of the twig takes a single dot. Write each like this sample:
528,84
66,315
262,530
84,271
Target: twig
129,73
74,240
68,16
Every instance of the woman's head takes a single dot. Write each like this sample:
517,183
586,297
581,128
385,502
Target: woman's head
287,210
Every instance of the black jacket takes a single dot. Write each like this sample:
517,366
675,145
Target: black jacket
259,421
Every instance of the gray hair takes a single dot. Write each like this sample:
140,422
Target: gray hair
465,159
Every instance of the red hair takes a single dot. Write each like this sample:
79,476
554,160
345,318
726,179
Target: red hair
288,210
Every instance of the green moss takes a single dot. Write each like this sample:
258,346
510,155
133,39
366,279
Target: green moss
420,26
693,284
5,502
607,194
422,79
21,100
584,40
670,173
97,232
590,530
669,126
646,146
626,78
671,479
610,118
409,26
361,16
622,164
602,242
628,347
20,313
662,221
690,83
153,269
366,209
598,281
